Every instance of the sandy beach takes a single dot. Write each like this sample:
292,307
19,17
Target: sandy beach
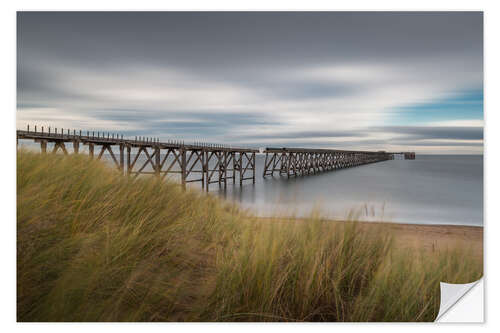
436,237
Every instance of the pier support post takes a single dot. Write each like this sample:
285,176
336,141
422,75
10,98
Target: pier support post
57,145
253,168
129,168
76,146
242,171
225,169
206,169
265,166
233,155
43,146
202,152
122,157
91,150
288,164
157,162
183,166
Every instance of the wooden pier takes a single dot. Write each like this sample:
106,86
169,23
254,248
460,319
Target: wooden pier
200,162
299,161
404,155
197,162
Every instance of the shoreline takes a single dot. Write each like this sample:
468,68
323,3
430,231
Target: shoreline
368,222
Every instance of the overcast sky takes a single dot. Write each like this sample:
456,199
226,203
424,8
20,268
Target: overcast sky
368,81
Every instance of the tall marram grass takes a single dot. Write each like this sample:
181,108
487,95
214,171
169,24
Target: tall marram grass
93,245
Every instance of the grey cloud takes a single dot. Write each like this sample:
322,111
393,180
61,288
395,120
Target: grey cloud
215,117
40,83
435,132
311,90
330,144
306,135
247,48
443,144
227,38
193,124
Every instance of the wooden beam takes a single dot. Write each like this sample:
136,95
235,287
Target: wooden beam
149,160
76,146
253,164
43,146
103,148
157,161
129,168
91,150
108,147
122,157
182,152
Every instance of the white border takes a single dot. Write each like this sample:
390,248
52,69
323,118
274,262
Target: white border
7,132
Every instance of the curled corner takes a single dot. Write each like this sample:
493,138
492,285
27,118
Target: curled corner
451,294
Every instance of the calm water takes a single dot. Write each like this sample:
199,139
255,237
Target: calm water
434,189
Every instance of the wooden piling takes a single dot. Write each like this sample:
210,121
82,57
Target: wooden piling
129,148
203,169
122,157
182,151
91,150
43,146
226,160
233,157
157,161
253,167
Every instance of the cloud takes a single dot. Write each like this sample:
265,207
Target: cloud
445,144
307,134
435,132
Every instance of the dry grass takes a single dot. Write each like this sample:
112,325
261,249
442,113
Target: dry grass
93,245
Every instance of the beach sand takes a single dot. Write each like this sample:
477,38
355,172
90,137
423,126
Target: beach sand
436,237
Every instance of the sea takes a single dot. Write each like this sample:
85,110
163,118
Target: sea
432,189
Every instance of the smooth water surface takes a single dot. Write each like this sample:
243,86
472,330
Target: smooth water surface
434,189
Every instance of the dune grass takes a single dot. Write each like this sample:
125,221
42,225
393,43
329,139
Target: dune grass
93,245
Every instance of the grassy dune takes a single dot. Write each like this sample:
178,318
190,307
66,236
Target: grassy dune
95,246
